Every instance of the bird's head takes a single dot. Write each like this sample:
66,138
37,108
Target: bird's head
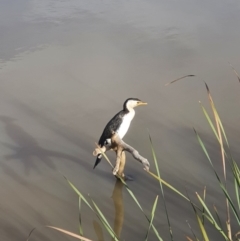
130,103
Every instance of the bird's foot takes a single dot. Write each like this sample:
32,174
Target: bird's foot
128,178
125,177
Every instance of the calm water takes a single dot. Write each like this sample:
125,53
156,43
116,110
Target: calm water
66,67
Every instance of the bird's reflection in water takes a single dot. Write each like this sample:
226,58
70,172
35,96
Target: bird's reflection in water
98,230
117,197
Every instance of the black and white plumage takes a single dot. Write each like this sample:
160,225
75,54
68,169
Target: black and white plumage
119,124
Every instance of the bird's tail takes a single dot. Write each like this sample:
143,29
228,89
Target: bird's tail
98,153
98,160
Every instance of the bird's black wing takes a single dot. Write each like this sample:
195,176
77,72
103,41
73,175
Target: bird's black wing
111,126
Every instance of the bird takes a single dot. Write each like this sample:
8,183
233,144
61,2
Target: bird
118,124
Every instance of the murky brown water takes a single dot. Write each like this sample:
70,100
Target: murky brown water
65,69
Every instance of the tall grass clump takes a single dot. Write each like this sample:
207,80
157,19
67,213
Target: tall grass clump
205,215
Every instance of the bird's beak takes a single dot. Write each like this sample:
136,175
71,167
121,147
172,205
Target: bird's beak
141,103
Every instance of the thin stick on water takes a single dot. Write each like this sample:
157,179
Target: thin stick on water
190,75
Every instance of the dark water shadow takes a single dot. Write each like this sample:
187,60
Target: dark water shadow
26,149
79,138
57,128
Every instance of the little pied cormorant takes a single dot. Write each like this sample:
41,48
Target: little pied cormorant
119,124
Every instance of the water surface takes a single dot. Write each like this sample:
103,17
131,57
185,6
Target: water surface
66,68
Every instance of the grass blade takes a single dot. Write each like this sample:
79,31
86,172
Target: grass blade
152,217
236,175
207,155
209,120
99,214
158,173
235,72
140,207
134,198
203,147
104,221
237,193
168,185
29,235
231,203
78,193
189,239
222,187
217,120
210,217
69,233
62,231
213,128
218,218
216,115
204,198
204,233
79,217
221,127
192,231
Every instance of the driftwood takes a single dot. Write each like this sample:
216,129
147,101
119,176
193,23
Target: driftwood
119,146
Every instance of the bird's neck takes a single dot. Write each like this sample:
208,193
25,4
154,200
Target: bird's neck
129,110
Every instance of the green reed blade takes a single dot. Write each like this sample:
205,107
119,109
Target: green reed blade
152,217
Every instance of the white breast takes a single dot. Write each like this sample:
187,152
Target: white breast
125,123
